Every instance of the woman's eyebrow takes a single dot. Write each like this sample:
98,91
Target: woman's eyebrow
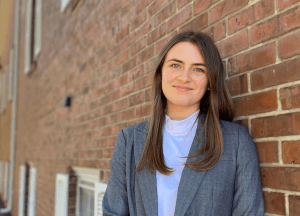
174,59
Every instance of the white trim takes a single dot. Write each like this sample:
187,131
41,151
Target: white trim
37,29
87,174
5,180
32,191
11,69
63,5
100,189
1,176
28,37
22,189
4,91
61,194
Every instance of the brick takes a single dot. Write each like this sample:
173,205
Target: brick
150,66
125,9
195,24
250,15
144,29
275,26
289,46
291,152
107,153
267,151
144,81
145,55
273,126
160,44
135,73
127,89
156,34
138,46
201,5
294,202
274,203
141,5
252,59
257,103
128,64
156,6
128,114
282,178
182,3
233,44
135,99
275,75
238,85
141,17
281,4
114,96
122,57
148,96
217,32
179,18
164,14
123,33
290,97
128,41
224,8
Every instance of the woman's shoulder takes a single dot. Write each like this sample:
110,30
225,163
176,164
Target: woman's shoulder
227,125
141,126
232,130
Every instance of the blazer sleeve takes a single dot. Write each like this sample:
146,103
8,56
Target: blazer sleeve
248,196
115,200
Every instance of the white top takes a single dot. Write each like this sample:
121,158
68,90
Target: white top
177,140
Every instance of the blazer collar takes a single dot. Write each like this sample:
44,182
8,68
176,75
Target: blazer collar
189,181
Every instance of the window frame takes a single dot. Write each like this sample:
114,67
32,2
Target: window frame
90,175
64,4
33,34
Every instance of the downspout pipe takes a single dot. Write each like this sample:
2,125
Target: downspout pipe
14,113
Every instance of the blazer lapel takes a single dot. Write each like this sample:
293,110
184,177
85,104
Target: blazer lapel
190,179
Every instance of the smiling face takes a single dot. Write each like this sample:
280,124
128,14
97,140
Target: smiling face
184,66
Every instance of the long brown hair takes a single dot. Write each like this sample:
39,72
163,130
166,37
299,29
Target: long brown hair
216,104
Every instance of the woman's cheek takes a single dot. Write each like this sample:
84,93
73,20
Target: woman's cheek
169,75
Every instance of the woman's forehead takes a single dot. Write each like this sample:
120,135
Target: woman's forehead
185,52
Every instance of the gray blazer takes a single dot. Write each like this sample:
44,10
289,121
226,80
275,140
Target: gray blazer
232,187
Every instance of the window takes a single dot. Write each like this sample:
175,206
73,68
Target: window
33,36
89,192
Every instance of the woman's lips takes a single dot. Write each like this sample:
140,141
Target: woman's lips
182,89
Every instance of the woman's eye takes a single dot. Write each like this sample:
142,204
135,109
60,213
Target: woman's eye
199,69
174,64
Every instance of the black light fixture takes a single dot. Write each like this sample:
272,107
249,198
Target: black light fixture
67,102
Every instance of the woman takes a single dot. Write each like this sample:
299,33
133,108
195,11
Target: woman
215,168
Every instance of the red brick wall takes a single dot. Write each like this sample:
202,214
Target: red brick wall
103,53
